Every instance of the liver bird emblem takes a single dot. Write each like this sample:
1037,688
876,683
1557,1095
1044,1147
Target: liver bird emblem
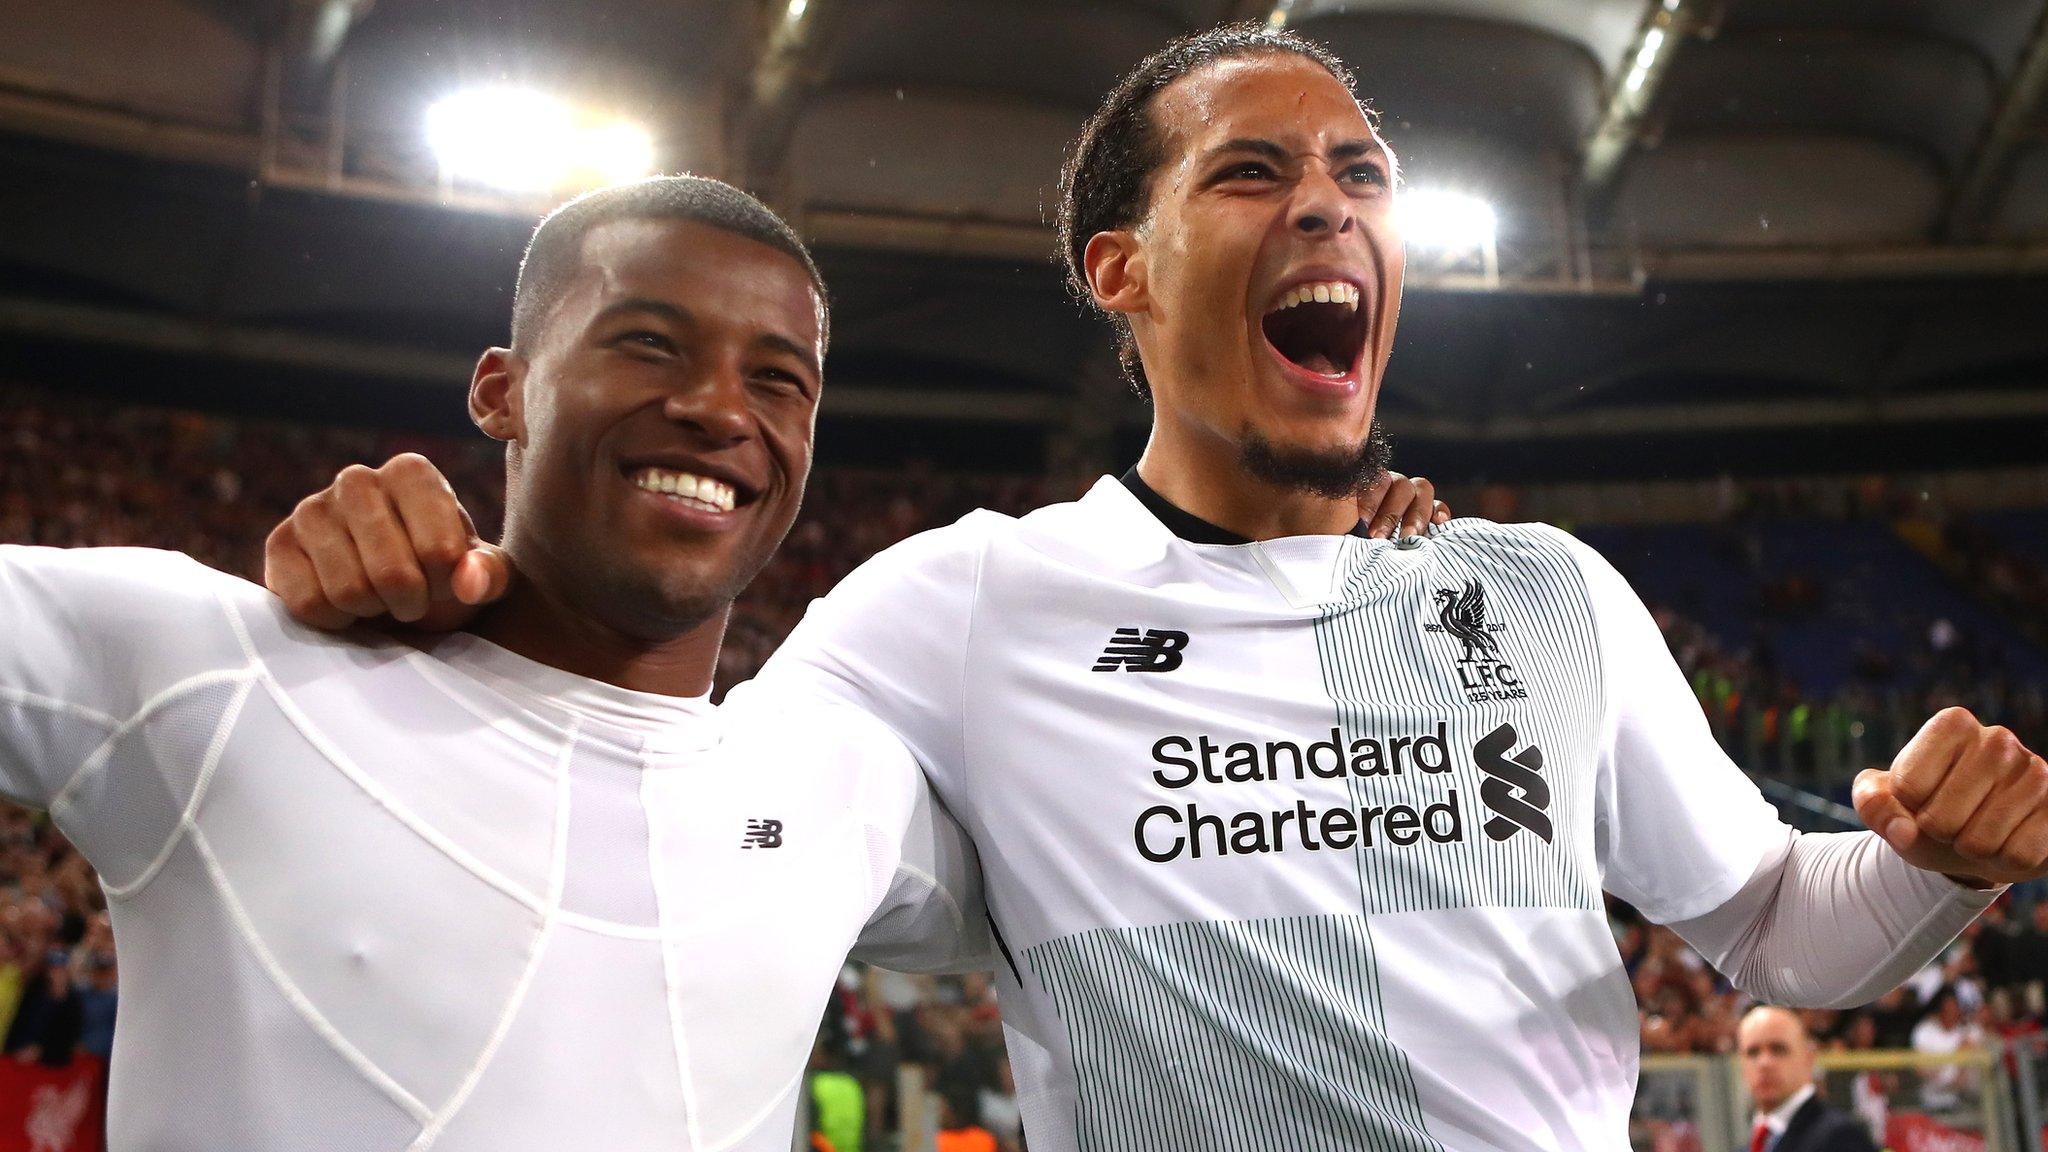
1463,614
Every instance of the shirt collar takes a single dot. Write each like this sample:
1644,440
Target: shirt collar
1779,1118
1185,524
661,723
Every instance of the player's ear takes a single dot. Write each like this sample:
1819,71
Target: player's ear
496,394
1116,271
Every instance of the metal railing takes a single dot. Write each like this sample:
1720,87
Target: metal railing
1988,1100
1684,1102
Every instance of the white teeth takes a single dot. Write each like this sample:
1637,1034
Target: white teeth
696,491
1324,292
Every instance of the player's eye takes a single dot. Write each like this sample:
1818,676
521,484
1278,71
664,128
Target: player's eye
782,379
1248,170
1366,175
641,339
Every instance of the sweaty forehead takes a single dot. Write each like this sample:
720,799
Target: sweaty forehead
1288,99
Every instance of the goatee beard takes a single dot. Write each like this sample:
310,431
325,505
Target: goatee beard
1334,474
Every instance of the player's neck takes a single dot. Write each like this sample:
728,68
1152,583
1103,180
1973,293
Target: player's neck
1212,486
540,624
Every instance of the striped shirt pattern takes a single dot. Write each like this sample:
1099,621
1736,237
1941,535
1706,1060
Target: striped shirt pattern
1382,670
1231,1036
1270,1034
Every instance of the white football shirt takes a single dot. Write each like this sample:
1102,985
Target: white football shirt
1298,844
372,897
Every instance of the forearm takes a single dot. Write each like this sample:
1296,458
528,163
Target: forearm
1833,921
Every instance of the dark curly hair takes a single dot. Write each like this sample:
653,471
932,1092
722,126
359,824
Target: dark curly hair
1105,183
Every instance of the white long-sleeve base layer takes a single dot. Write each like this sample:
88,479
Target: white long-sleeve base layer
1832,920
368,897
1300,845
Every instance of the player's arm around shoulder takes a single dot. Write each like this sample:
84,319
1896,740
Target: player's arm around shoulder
893,639
89,638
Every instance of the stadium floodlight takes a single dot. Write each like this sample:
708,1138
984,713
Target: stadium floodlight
795,12
617,152
1448,221
519,140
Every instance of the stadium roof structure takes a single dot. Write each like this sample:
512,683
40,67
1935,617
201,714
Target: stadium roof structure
1732,219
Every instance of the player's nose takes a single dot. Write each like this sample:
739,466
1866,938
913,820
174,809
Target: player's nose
1320,206
712,404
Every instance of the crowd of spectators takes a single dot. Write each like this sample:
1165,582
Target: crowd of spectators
77,472
1908,660
57,969
1821,740
948,1029
2015,581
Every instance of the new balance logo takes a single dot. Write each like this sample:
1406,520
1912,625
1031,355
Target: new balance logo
1512,790
763,834
1156,650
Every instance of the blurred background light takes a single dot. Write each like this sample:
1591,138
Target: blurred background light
616,152
519,140
1435,218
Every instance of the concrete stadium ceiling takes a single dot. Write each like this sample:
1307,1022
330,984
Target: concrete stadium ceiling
226,176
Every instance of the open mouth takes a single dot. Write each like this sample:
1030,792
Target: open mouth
1318,327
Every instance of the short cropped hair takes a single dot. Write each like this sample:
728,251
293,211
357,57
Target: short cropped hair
556,250
1106,182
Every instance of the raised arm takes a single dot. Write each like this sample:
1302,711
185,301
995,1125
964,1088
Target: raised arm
1838,919
1794,918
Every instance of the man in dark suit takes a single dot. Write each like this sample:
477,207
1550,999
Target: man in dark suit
1777,1065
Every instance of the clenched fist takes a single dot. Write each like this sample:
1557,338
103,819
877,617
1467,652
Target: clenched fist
391,541
1962,799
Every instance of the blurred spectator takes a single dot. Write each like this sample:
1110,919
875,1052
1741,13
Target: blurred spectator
50,1018
960,1127
999,1109
838,1105
2026,951
1777,1060
1944,1031
1894,1014
93,979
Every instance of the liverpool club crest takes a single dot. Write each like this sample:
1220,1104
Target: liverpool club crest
1482,671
